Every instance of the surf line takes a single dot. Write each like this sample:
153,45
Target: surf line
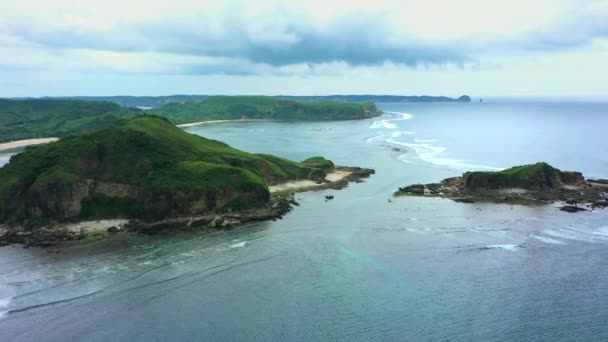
388,123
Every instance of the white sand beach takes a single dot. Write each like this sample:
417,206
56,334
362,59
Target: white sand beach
332,177
209,122
26,142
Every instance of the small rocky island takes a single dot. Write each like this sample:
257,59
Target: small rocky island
145,174
528,184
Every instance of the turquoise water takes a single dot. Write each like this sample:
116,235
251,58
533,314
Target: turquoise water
357,268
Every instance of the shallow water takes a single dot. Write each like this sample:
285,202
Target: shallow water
359,267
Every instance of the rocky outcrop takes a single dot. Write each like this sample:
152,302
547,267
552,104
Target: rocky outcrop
529,184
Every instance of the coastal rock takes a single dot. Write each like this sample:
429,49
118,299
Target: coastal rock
528,184
416,189
572,209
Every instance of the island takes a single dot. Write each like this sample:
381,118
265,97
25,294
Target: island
527,184
159,101
146,174
216,108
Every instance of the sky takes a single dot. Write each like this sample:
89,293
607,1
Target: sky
518,48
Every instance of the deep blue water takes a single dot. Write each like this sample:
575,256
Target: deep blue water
358,268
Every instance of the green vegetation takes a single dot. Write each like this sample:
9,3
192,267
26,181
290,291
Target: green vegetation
320,163
534,176
40,118
263,107
143,167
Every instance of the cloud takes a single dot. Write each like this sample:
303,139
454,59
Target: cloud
308,38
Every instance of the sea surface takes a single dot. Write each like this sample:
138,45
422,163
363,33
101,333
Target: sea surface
362,267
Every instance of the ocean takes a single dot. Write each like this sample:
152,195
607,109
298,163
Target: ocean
362,267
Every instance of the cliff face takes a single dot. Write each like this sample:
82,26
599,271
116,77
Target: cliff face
143,168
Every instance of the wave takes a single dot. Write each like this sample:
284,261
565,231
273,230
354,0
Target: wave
388,123
424,148
237,245
508,247
568,234
548,240
602,231
3,304
430,154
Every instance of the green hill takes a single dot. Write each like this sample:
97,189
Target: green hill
533,176
40,118
263,107
144,168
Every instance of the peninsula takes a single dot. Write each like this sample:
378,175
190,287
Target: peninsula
150,174
26,119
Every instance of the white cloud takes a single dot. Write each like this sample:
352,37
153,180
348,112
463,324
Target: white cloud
431,39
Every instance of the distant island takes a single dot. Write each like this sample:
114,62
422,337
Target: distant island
159,101
150,174
263,107
527,184
45,118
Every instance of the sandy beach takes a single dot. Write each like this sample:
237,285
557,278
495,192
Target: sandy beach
209,122
26,142
301,185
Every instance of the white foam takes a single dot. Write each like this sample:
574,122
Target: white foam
568,235
424,140
602,231
548,240
403,159
374,138
508,247
404,116
388,123
237,245
430,154
397,134
3,304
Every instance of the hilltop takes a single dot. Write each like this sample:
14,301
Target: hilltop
41,118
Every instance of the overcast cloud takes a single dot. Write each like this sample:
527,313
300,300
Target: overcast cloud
203,46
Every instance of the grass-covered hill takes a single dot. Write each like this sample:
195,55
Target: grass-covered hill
534,176
39,118
144,168
263,107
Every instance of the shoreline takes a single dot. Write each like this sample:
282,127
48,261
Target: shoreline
337,175
210,122
282,202
25,142
6,146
